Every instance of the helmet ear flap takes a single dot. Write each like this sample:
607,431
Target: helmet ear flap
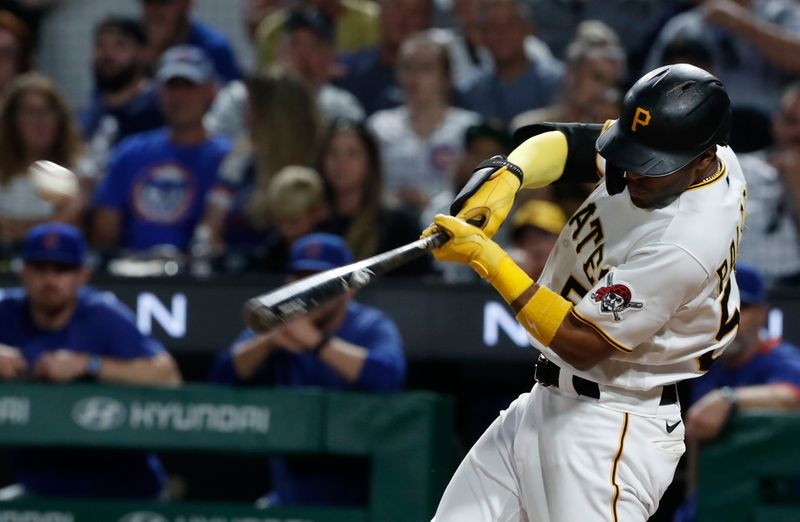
615,179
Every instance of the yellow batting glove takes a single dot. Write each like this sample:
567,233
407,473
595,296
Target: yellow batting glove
489,194
469,245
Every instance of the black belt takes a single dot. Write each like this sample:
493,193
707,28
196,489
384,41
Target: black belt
547,373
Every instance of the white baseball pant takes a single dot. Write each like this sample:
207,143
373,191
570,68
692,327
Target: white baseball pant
554,456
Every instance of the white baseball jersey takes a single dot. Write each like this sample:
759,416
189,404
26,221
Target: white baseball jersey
657,284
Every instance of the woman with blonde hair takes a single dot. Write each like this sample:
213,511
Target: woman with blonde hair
284,127
35,124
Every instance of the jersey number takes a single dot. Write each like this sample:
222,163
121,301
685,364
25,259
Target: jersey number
573,286
727,323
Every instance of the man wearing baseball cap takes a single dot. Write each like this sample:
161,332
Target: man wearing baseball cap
343,345
534,230
55,329
755,371
155,190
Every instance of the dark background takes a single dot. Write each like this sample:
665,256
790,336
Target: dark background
443,329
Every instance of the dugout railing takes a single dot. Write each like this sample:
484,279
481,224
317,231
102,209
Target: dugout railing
408,438
751,473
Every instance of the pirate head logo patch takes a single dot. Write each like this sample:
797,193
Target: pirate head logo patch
615,298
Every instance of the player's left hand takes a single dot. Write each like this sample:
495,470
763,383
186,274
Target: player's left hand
468,245
488,196
706,418
60,366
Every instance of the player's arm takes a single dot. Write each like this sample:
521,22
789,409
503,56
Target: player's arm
68,365
706,418
12,364
156,370
777,396
779,45
131,357
243,359
545,315
544,152
549,318
374,366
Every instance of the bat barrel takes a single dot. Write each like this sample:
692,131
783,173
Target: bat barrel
265,312
259,318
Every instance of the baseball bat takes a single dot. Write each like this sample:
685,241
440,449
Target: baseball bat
266,311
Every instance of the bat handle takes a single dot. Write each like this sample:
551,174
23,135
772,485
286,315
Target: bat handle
440,238
437,240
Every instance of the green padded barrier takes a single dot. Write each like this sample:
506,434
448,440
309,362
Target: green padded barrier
753,447
411,435
408,437
196,417
777,514
109,511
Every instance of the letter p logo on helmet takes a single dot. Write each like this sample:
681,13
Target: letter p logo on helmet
640,117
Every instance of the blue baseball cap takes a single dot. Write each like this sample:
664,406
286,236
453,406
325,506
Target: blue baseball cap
751,284
56,242
187,62
318,252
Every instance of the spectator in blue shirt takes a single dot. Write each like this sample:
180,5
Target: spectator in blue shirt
370,73
169,23
124,102
57,330
344,345
753,373
518,83
154,192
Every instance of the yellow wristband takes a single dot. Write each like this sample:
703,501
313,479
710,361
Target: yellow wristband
510,280
543,314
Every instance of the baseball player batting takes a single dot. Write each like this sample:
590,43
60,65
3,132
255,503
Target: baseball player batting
637,295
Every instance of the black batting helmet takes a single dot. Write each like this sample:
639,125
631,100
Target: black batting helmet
669,117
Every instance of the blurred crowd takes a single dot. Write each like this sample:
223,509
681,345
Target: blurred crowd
363,119
359,121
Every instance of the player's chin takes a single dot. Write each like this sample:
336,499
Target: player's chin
649,201
640,201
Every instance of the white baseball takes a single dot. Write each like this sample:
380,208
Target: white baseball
53,182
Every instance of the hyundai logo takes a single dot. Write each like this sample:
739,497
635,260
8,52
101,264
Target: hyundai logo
98,413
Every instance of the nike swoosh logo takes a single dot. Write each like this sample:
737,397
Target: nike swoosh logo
671,427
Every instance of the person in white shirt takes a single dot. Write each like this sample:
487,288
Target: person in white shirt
422,140
771,241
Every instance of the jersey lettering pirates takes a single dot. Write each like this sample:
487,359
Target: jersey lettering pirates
657,284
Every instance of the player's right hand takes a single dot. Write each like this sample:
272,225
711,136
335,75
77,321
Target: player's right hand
12,364
468,245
